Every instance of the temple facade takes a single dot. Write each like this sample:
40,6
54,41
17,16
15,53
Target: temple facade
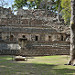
36,31
35,25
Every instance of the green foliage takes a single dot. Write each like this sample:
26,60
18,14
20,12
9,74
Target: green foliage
66,11
34,3
19,3
37,2
29,3
56,4
60,6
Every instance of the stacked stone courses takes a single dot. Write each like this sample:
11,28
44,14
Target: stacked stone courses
35,25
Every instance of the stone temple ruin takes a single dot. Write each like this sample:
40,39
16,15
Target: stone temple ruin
37,32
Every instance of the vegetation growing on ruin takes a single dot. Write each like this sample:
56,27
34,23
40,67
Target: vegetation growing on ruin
62,7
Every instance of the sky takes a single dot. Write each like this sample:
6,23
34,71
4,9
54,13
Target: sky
10,2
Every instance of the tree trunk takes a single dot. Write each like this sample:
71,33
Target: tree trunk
46,6
59,11
72,31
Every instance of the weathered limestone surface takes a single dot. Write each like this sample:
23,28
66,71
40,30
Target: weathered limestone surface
34,25
46,48
9,48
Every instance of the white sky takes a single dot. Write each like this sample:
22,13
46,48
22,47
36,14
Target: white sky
10,2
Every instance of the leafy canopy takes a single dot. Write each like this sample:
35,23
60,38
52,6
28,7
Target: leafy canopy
19,3
26,3
66,10
65,7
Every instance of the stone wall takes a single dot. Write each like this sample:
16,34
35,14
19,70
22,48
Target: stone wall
4,12
22,22
34,25
33,36
46,48
35,13
36,48
9,48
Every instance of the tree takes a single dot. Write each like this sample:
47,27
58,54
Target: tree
38,4
66,10
72,30
19,3
61,7
29,3
58,8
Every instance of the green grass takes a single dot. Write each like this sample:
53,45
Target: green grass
46,65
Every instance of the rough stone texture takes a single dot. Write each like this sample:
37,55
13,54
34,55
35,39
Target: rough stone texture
34,25
9,48
4,12
46,48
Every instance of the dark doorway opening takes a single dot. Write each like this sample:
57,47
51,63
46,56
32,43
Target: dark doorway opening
49,38
61,37
11,37
23,36
0,38
36,38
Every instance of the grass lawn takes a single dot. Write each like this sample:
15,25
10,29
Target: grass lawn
46,65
